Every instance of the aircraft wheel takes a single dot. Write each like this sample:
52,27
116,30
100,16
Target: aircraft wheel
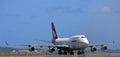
65,53
60,52
83,52
79,53
71,53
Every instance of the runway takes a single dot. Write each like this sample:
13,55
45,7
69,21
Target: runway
101,54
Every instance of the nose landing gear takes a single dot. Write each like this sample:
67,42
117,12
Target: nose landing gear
80,52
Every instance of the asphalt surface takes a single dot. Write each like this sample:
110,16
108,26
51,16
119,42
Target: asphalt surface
75,55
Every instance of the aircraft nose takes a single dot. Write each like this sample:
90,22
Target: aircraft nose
86,41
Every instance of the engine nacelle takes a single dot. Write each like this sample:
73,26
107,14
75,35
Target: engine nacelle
103,47
51,50
93,49
32,49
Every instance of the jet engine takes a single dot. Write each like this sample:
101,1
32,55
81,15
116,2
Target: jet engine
93,49
51,49
103,47
31,48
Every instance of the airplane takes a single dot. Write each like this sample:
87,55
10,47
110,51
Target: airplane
67,45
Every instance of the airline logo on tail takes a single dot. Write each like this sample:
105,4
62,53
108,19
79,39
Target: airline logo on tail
54,33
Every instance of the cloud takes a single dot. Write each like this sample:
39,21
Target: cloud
109,10
64,10
106,10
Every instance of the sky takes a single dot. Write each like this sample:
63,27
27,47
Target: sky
27,21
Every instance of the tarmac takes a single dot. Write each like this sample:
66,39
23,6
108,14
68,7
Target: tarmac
65,56
94,54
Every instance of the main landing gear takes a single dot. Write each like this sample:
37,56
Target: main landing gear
80,52
61,52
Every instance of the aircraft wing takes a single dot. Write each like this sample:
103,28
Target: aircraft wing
39,45
91,45
100,44
54,46
51,45
29,45
45,41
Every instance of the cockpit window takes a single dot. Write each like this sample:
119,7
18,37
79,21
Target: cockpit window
75,37
82,37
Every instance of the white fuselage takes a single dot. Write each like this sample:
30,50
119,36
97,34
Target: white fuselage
75,43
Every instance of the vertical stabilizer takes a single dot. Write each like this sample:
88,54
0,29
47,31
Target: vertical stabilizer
54,33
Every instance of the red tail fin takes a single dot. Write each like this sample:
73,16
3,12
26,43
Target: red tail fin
54,33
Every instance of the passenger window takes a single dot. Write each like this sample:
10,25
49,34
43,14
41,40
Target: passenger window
74,40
